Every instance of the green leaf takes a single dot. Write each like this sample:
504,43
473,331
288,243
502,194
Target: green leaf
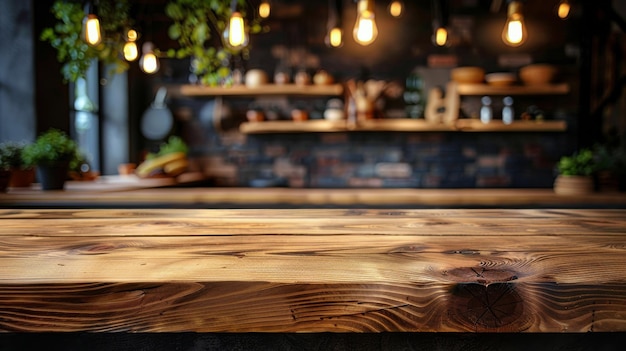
174,31
256,28
223,72
200,33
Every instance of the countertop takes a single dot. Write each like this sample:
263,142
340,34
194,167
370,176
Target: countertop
313,270
157,194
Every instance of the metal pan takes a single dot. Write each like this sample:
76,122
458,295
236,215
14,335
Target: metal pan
157,120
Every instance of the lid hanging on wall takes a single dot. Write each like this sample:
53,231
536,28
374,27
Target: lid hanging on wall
157,120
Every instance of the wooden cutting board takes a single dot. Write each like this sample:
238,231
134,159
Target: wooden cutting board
121,182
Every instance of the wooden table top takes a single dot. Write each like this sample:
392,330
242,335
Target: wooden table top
103,195
313,270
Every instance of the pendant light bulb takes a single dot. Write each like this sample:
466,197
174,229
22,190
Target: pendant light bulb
334,39
563,9
441,36
396,8
365,29
264,9
131,52
514,32
132,35
149,62
235,35
91,30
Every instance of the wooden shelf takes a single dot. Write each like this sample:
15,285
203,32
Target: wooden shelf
484,89
337,89
474,125
402,125
399,125
292,127
191,90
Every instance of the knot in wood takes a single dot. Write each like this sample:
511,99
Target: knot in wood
487,307
481,275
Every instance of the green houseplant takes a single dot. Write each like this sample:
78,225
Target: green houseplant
611,172
5,172
576,173
52,152
75,55
197,28
22,174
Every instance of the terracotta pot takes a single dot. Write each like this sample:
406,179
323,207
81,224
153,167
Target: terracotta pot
299,115
22,178
126,168
573,185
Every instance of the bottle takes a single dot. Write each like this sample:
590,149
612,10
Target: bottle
485,111
414,97
507,111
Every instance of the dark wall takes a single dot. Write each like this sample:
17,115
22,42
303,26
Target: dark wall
17,96
52,100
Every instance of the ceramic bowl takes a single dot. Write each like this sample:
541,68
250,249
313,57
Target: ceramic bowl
500,79
468,75
537,74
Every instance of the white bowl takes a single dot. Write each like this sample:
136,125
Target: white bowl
334,114
500,79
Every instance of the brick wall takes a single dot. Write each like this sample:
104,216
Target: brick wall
391,160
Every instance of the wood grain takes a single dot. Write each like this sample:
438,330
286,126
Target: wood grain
266,197
398,125
314,270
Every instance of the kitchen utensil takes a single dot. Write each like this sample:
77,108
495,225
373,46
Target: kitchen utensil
373,88
217,116
157,120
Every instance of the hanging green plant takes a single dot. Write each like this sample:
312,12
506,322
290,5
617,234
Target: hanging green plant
194,23
75,55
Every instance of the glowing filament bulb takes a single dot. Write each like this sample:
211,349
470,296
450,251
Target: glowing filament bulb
365,30
91,30
264,9
131,52
335,37
563,10
396,8
131,35
149,62
514,33
235,33
441,36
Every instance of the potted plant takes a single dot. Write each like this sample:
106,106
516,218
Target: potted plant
22,174
5,172
611,175
576,173
52,153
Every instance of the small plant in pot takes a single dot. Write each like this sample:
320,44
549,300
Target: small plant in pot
611,170
22,174
5,171
52,153
576,173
